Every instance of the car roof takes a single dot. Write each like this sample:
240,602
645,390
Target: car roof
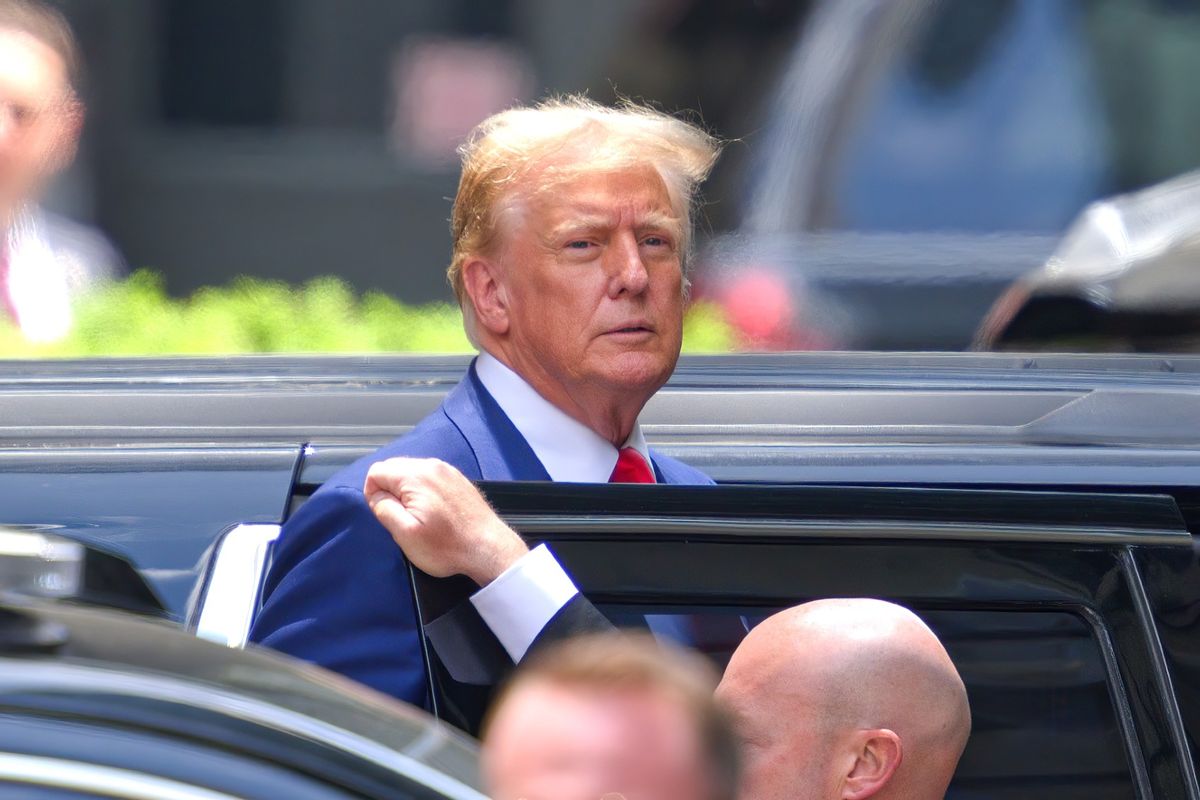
876,397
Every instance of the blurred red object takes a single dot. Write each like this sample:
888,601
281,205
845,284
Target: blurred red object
762,306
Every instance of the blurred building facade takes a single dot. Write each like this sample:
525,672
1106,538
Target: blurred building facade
295,138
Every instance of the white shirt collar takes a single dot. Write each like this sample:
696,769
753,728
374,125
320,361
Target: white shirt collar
569,450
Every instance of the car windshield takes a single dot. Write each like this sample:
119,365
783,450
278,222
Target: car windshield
223,178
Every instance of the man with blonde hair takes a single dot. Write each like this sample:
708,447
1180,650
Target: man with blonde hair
845,700
610,716
571,229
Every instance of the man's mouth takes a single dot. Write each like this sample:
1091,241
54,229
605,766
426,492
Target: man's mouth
631,327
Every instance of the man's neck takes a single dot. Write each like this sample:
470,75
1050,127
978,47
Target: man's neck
611,415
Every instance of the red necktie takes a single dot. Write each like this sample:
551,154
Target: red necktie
631,468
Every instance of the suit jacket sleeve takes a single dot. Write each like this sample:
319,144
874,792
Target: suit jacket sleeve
338,595
576,618
469,648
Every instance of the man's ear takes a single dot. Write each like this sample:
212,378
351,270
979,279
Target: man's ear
484,287
879,754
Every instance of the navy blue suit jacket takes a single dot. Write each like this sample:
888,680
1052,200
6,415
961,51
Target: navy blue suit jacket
338,591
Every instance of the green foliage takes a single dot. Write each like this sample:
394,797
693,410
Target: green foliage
705,330
137,317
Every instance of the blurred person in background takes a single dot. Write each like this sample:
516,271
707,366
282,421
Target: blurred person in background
610,715
845,700
45,260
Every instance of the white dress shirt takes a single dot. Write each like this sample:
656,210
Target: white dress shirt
50,261
524,598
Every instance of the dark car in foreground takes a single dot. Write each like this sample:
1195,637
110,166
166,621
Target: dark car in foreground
1037,511
96,703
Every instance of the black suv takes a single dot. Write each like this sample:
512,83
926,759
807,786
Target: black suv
1037,512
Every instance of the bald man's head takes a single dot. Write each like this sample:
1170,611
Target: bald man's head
846,699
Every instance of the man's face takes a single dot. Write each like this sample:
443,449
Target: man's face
38,118
592,271
550,742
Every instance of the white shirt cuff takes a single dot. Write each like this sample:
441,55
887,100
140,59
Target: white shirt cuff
526,596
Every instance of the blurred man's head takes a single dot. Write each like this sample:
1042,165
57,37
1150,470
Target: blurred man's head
844,700
610,715
571,228
40,113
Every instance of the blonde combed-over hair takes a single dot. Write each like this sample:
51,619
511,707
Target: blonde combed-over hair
527,150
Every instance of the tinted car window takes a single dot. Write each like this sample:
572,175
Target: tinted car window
1043,721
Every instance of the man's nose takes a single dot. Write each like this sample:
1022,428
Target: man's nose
629,269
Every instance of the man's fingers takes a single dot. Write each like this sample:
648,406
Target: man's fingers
394,474
392,513
388,476
376,496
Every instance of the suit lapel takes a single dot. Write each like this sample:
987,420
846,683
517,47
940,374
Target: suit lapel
501,450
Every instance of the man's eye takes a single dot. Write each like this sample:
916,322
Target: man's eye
18,113
579,245
655,241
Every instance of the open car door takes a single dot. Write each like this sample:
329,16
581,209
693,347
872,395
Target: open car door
1064,612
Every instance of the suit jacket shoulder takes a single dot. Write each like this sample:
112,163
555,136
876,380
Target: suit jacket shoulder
433,437
338,592
673,471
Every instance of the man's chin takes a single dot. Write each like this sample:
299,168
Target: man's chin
636,371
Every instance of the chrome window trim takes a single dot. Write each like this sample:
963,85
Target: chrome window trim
95,779
563,526
230,597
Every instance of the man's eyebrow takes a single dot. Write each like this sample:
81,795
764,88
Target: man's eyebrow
589,220
659,219
582,222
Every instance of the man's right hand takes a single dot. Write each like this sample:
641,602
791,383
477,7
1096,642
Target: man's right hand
440,520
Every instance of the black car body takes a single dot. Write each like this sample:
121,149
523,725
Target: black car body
1036,511
100,704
